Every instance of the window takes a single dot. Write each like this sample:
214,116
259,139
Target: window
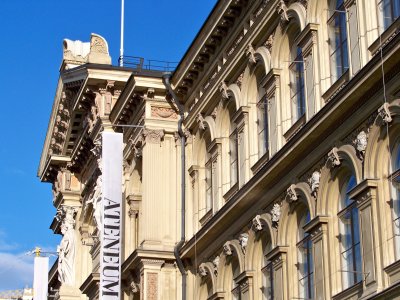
349,236
267,273
390,11
262,126
297,92
395,194
233,155
339,58
305,260
209,183
236,292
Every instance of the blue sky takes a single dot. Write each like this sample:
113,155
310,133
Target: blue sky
31,53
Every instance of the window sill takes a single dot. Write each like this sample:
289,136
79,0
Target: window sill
386,37
231,192
295,128
204,219
260,163
336,87
351,292
393,272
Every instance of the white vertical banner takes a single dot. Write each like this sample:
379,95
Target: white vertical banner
111,233
40,278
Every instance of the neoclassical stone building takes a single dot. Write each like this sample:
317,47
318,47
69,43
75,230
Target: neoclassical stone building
288,185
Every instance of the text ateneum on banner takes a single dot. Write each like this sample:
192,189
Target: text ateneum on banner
110,254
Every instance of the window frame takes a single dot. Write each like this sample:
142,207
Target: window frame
297,84
351,275
338,13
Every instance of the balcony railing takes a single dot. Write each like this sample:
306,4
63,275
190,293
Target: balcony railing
139,64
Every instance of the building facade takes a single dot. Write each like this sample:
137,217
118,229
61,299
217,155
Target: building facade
287,113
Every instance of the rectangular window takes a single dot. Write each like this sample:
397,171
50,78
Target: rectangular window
262,126
298,96
390,10
338,42
209,180
233,157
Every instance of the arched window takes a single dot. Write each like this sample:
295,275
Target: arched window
267,272
390,10
305,260
395,194
351,268
338,39
262,125
297,92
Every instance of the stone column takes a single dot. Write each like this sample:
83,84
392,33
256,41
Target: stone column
318,229
365,193
241,118
278,257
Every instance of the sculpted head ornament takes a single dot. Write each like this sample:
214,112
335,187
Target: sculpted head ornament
216,265
202,271
223,88
384,113
314,182
291,194
282,11
275,213
257,225
333,157
243,239
361,144
227,249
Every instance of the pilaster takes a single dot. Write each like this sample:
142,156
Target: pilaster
318,229
160,167
365,193
278,257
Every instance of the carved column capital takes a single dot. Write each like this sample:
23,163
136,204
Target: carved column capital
154,136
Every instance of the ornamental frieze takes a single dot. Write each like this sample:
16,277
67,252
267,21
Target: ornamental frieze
163,112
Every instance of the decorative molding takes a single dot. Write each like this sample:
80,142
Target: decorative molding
201,122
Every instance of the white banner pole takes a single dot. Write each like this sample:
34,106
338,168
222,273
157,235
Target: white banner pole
111,232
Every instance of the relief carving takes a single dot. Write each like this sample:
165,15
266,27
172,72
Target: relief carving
163,112
314,183
333,158
257,225
361,144
276,214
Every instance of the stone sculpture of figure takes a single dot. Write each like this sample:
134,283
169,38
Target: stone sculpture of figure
66,251
96,202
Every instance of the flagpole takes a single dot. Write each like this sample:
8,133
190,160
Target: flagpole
121,50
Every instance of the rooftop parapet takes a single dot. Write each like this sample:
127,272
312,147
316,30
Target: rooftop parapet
76,53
